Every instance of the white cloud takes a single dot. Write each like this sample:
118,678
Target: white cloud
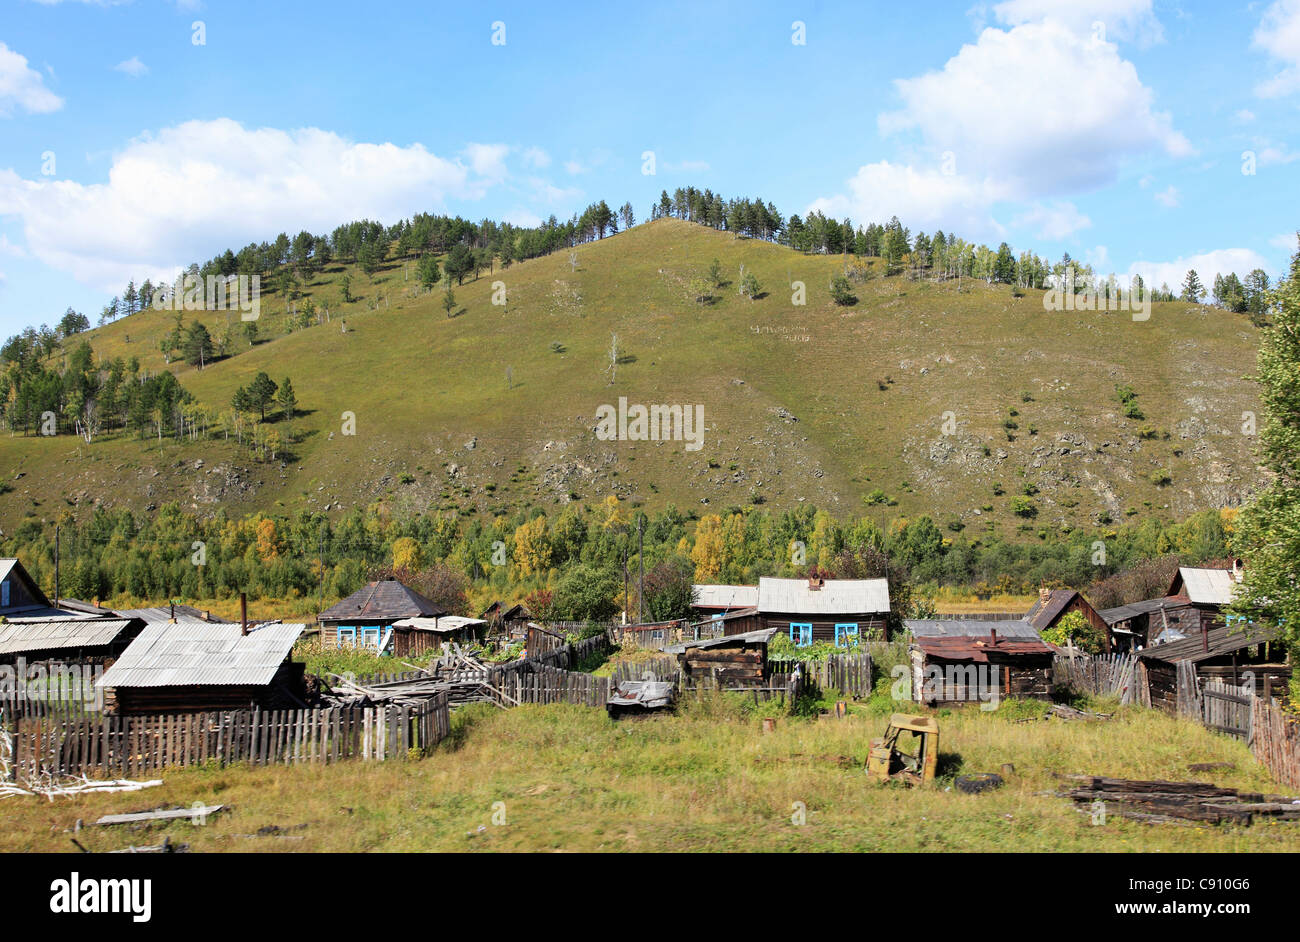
1271,155
1169,197
8,248
1053,221
1098,258
488,160
1245,116
1038,109
687,166
921,198
200,187
574,168
1278,34
22,86
132,67
1285,241
1118,19
1206,265
537,158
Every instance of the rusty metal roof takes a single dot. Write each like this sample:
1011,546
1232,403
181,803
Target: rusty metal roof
202,654
978,648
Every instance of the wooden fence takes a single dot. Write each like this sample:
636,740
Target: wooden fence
135,745
1275,741
1227,709
1103,675
848,673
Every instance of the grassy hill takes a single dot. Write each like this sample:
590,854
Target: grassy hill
496,406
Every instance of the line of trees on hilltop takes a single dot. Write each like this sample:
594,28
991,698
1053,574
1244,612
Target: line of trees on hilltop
568,564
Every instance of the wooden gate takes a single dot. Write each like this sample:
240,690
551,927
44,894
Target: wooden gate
1227,709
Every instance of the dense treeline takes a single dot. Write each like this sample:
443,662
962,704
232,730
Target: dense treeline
569,564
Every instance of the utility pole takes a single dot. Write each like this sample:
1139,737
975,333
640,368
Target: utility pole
640,561
56,565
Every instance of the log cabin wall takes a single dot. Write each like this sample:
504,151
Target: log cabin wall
870,624
738,665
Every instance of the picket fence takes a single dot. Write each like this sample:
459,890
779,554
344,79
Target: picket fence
136,745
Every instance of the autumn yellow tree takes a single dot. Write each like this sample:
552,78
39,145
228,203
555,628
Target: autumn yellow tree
533,547
407,554
268,543
709,549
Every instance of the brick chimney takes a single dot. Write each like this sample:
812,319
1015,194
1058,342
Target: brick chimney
993,635
1044,593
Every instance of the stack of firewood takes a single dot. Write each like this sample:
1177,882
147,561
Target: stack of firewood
1178,801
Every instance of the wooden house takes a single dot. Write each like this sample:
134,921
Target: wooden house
730,661
1232,654
1054,604
710,600
1195,601
193,666
412,637
961,668
834,610
21,597
365,618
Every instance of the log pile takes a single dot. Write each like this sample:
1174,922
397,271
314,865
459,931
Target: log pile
464,677
1158,801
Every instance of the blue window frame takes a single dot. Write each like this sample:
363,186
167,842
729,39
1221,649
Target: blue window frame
348,635
845,634
370,637
801,633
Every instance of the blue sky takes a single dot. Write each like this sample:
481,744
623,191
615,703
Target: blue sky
1112,129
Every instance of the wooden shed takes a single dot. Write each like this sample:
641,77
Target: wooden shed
93,640
1232,654
957,669
709,599
191,666
365,618
412,637
838,611
511,620
729,661
1054,604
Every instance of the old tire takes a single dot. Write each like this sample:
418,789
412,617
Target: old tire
979,782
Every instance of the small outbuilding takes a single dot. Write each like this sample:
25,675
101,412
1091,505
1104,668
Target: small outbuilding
729,661
412,637
509,620
955,669
190,667
710,600
1232,654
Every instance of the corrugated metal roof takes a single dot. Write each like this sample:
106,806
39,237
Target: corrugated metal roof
202,654
1207,586
1113,616
1198,646
48,634
386,599
726,596
834,597
164,613
969,628
978,649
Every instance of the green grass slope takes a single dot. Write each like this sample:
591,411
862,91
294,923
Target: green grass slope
817,403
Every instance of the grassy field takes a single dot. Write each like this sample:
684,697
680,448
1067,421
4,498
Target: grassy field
815,403
706,780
